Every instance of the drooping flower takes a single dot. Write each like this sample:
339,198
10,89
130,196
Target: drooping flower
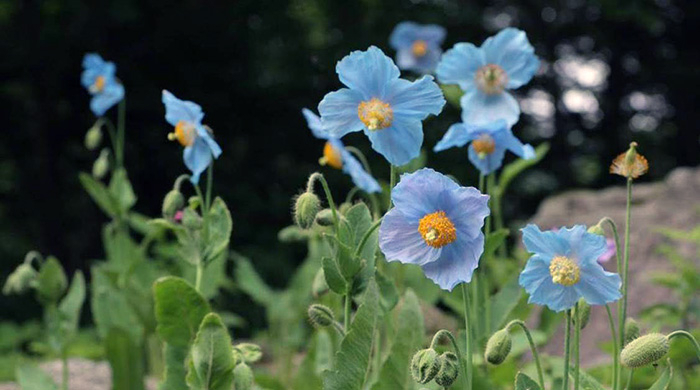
489,143
337,156
189,131
99,79
435,224
564,268
417,46
504,61
630,164
390,110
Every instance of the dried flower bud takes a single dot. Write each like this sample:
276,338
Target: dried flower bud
425,365
644,350
449,369
630,164
631,330
93,137
306,207
172,202
498,347
242,377
584,312
321,315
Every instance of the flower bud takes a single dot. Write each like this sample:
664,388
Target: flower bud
20,280
498,347
631,330
292,233
425,365
319,286
242,377
582,311
101,166
324,217
172,202
449,369
191,220
306,207
250,353
321,315
597,229
644,350
93,137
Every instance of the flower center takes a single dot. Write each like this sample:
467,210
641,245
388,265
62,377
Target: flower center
419,48
484,145
375,114
184,133
491,79
437,229
564,271
331,156
98,85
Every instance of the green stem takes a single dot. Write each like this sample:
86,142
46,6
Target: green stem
348,311
361,157
210,180
577,341
468,333
625,279
392,183
198,277
617,377
682,333
616,348
629,379
329,197
533,348
121,122
366,237
567,350
489,185
446,333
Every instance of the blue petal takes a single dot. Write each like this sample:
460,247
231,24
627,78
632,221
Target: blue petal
181,110
457,263
511,50
417,193
479,108
112,94
368,72
339,112
406,33
406,60
490,163
314,123
207,137
467,208
459,64
536,280
546,243
415,100
586,248
400,240
507,140
197,158
598,286
94,66
359,176
400,142
456,135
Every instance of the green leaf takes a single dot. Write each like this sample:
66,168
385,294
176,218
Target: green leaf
493,241
409,337
111,308
335,280
360,220
664,380
388,294
452,94
72,303
121,190
175,370
31,377
524,382
179,310
220,226
348,265
503,303
512,170
125,357
352,360
252,284
99,193
586,381
51,282
318,358
212,362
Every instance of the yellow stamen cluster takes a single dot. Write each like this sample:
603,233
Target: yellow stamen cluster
630,164
98,85
419,48
484,145
184,133
491,79
564,271
331,156
437,230
375,114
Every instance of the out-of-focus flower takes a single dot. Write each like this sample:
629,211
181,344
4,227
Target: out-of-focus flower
564,268
417,46
489,143
390,110
337,156
178,216
199,144
99,79
610,251
630,164
435,224
504,61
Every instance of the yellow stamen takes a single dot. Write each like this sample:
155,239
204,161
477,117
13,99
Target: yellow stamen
484,145
419,48
491,79
564,271
98,85
375,114
437,230
184,133
331,156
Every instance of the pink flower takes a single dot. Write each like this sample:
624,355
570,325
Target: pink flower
178,216
609,251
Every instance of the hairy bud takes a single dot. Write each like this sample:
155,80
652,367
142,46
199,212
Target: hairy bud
631,330
249,352
425,365
20,280
101,166
597,229
582,311
644,350
324,217
321,315
449,369
498,347
306,207
242,377
172,202
93,137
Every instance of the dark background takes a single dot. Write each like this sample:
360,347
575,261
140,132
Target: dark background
614,71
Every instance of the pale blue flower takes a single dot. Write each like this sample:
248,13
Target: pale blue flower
337,156
199,144
505,61
564,267
489,143
99,79
390,110
436,224
417,46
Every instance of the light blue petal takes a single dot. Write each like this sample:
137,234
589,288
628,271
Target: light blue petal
101,102
207,137
400,240
314,123
405,59
507,140
415,99
368,72
511,50
457,263
490,163
537,282
197,158
424,64
94,66
399,143
405,33
415,194
479,108
586,248
457,135
467,208
598,286
459,64
339,112
177,110
535,273
359,176
547,243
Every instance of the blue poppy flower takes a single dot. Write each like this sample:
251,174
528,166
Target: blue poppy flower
436,224
337,156
390,110
99,79
505,61
199,144
564,267
489,143
417,46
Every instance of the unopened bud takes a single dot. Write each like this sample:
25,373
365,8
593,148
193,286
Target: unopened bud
324,217
582,311
250,353
597,229
306,207
93,137
321,315
20,280
172,202
242,377
449,369
631,330
425,365
319,285
101,166
292,233
498,347
191,220
645,350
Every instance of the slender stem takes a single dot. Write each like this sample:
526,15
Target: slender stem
210,180
392,183
198,277
64,371
489,185
616,347
348,311
121,122
446,333
577,341
468,333
617,377
629,379
361,157
567,350
366,237
626,257
682,333
481,183
533,348
329,197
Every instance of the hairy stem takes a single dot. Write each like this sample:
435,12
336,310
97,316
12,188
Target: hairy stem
533,348
616,348
567,350
468,334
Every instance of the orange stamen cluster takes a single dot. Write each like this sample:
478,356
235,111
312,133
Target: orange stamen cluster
491,79
375,114
437,230
419,48
184,133
564,271
331,156
484,145
98,85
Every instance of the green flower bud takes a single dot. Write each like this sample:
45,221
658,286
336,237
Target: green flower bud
319,286
242,377
172,202
631,330
584,314
93,137
321,315
193,202
101,166
191,220
344,207
425,365
306,207
20,280
498,347
250,353
325,217
597,229
292,233
645,350
449,369
51,283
